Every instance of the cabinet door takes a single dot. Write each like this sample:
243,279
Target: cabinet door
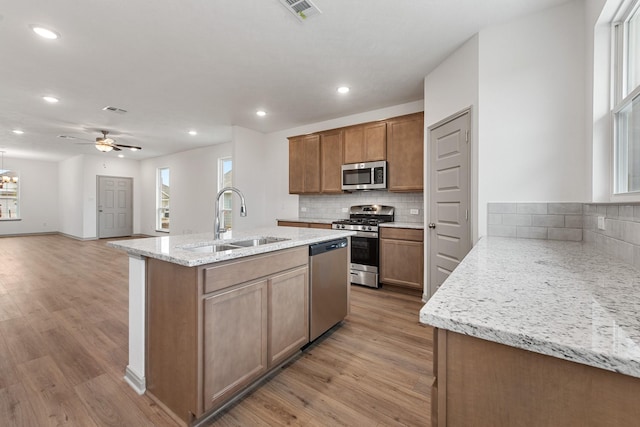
401,263
405,148
235,341
331,162
304,164
375,139
296,165
311,163
288,314
365,143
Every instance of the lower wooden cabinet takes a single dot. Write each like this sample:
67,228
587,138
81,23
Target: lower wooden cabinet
235,341
402,257
214,330
485,384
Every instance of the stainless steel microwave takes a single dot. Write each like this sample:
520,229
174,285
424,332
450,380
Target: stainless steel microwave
364,176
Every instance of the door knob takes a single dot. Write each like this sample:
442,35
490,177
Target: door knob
432,225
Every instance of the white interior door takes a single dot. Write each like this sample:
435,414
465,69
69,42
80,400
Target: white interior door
115,206
449,198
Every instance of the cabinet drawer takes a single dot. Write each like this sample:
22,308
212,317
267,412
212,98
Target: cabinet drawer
412,234
320,225
242,270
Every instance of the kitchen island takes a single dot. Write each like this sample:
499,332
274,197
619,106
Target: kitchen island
536,332
208,318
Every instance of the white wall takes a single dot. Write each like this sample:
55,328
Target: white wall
449,89
531,113
70,184
276,158
194,185
38,186
251,176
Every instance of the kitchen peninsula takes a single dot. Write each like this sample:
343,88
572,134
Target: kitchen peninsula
536,332
209,318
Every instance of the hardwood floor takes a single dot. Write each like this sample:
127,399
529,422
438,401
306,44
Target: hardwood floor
63,349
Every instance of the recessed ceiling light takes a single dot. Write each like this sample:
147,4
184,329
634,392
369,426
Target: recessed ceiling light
121,155
261,113
18,131
193,132
50,99
343,89
45,32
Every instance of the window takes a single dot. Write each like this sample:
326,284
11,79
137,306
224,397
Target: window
162,200
9,194
225,168
626,108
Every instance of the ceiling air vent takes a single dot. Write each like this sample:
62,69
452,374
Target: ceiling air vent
303,9
114,109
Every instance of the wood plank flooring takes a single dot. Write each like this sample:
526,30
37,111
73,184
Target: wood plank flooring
63,350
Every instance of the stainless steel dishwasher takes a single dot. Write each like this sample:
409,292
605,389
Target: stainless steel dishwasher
329,275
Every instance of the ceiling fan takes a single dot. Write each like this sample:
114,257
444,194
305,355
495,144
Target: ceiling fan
104,143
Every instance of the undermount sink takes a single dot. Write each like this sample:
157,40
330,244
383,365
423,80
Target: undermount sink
212,248
259,241
221,247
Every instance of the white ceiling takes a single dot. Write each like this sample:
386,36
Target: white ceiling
208,65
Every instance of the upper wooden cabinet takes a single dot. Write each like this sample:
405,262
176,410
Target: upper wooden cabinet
331,161
304,164
405,153
365,143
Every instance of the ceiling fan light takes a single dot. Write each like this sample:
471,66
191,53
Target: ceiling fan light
105,148
133,148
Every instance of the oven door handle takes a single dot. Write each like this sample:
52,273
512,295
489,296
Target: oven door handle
369,234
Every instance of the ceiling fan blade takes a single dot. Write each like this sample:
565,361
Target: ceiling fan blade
115,148
127,146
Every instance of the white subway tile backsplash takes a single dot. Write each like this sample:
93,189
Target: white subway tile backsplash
502,208
548,220
502,230
532,208
570,234
612,211
494,219
532,233
565,208
515,219
573,221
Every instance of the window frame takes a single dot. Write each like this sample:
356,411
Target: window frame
226,213
17,181
621,97
163,213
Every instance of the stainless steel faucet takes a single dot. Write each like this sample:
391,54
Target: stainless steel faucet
243,209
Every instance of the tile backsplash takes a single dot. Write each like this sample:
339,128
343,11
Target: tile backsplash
618,234
551,221
331,206
621,235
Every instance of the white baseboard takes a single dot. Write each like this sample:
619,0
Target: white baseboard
139,384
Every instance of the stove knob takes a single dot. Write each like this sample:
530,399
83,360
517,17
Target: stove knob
369,228
342,226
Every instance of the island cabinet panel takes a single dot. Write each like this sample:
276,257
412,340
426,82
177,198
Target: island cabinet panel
304,164
331,162
172,337
365,143
288,314
482,383
402,257
405,151
235,341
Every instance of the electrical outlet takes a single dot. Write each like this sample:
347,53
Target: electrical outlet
303,209
600,223
345,210
414,211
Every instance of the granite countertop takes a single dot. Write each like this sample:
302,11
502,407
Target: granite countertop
175,248
562,299
313,220
414,225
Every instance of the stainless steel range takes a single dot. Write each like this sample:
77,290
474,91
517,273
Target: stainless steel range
365,254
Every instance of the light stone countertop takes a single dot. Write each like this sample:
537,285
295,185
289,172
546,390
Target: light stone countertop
174,248
313,220
414,225
562,299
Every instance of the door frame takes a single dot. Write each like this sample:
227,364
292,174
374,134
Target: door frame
473,191
98,201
